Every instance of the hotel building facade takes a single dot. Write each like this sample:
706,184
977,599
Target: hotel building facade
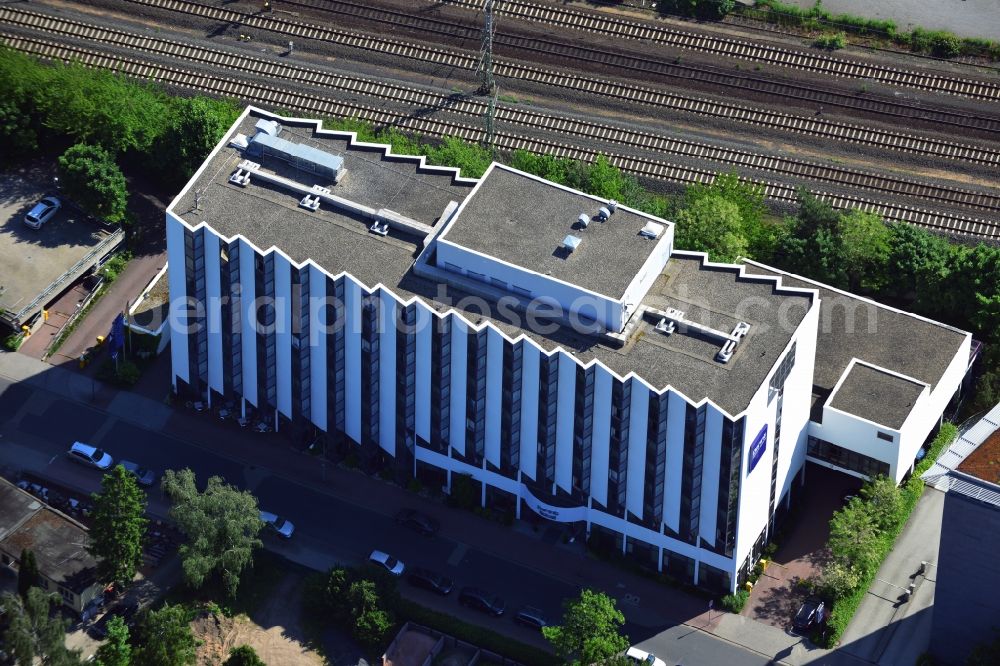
551,347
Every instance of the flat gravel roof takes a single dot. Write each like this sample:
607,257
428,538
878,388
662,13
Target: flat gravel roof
877,395
854,327
611,254
336,239
523,220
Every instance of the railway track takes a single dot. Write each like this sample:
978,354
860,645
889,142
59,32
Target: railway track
526,118
316,106
622,28
808,125
646,67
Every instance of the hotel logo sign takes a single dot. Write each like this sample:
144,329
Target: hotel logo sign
757,448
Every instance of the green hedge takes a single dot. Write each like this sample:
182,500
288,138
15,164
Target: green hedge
939,43
845,607
476,635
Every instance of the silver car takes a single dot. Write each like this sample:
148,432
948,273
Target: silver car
145,477
90,456
387,562
274,522
42,212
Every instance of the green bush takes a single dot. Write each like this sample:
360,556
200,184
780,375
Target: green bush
115,266
831,42
946,45
734,603
816,19
13,341
845,606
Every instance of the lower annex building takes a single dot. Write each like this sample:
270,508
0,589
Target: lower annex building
552,346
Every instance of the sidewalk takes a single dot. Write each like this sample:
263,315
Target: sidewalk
647,604
126,288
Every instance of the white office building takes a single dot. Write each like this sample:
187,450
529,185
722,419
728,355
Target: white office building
550,346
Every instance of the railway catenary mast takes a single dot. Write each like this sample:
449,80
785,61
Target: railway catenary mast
487,83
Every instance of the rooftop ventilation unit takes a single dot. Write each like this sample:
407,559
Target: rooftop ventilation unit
241,178
571,242
310,202
726,352
612,205
651,230
380,228
298,155
740,330
239,142
666,327
269,127
674,314
583,220
604,213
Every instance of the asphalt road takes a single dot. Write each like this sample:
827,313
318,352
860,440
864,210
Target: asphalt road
338,530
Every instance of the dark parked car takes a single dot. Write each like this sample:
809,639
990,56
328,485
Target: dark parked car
429,580
481,600
417,522
532,617
812,613
126,610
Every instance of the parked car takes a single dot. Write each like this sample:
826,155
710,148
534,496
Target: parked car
127,611
90,456
145,477
276,523
387,562
811,613
637,656
418,522
427,579
42,212
532,617
481,600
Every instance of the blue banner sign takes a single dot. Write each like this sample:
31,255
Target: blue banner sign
757,448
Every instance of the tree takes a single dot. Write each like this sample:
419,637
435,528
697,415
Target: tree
92,179
197,124
116,650
101,107
27,572
16,133
854,537
712,224
812,245
590,630
885,501
839,579
221,524
371,621
243,655
605,180
918,262
471,158
33,631
865,238
118,527
365,598
164,638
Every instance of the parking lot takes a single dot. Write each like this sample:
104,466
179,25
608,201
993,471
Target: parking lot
39,263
